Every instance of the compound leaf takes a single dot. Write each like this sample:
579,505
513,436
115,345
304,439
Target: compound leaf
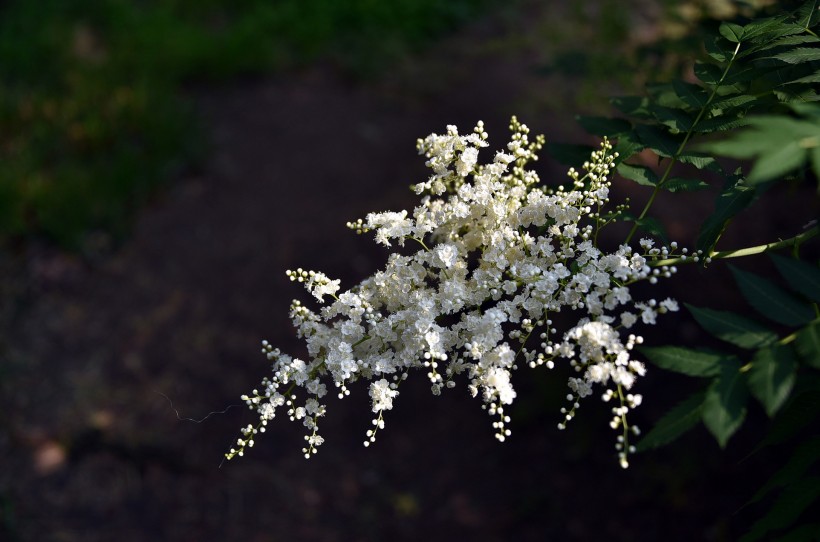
674,423
771,377
724,406
772,301
687,361
733,328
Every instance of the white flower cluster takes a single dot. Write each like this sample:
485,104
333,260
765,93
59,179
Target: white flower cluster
499,257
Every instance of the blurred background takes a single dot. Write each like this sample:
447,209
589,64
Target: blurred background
162,162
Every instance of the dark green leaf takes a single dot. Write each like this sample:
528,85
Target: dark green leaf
699,160
633,106
690,94
687,361
800,411
678,184
771,301
676,119
768,30
658,140
799,55
792,502
796,40
767,27
807,344
674,423
715,49
801,276
731,32
603,126
799,462
724,407
708,73
771,377
723,123
733,328
811,78
723,105
627,145
808,14
730,202
640,174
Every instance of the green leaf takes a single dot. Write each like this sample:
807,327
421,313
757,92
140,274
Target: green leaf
633,106
690,94
771,301
745,144
708,73
686,361
731,32
722,123
799,462
674,423
792,502
771,377
730,202
640,174
811,78
715,49
724,406
676,119
658,140
733,328
679,184
783,126
603,126
627,145
808,14
801,276
770,29
776,162
699,160
807,344
796,40
721,105
799,55
800,411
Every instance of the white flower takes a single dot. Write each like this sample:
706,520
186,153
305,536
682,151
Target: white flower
382,395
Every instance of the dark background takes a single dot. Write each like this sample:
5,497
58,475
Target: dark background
126,311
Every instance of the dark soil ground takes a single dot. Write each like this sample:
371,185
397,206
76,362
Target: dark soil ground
102,353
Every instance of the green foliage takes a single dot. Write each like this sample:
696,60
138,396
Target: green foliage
91,119
767,367
724,407
754,97
733,328
767,364
687,361
771,301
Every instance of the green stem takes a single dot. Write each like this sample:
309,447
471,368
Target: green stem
749,251
673,160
